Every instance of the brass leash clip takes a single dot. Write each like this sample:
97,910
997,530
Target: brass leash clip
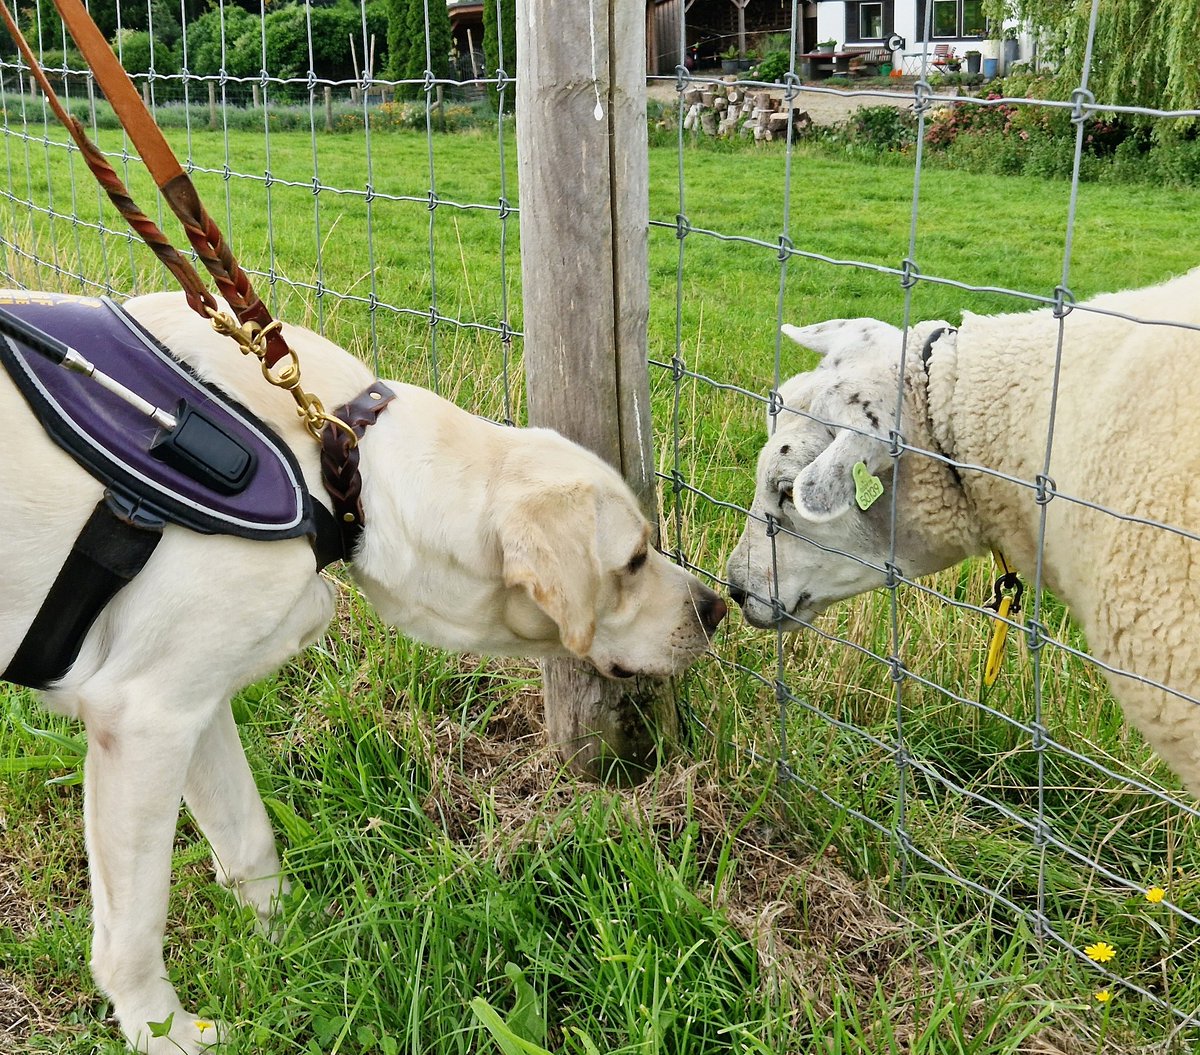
252,339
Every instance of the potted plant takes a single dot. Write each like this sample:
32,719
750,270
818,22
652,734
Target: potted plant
827,47
729,60
973,59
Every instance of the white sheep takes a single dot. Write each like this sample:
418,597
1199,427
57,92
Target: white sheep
1126,438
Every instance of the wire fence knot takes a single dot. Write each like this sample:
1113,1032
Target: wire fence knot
1082,101
1064,301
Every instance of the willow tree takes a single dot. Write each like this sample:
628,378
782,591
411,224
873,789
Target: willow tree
1144,52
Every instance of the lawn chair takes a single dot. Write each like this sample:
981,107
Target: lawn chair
943,58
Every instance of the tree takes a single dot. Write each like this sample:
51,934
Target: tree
406,42
504,11
1144,52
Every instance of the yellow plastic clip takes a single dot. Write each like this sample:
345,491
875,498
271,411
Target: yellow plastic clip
1005,604
995,652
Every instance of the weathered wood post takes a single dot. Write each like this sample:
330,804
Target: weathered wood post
584,208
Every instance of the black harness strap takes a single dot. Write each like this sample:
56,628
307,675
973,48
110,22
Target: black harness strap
112,548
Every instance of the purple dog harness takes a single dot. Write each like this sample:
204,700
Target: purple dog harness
256,492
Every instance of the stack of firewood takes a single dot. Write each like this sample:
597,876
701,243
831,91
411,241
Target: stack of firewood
727,109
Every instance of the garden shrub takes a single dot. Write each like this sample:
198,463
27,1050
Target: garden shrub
882,128
773,66
1176,161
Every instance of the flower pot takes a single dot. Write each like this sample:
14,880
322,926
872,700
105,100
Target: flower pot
1012,51
973,59
989,67
825,49
729,66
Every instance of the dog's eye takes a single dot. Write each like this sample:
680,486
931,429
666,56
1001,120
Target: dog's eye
636,561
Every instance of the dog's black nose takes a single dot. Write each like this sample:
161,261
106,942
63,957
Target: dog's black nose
712,610
737,595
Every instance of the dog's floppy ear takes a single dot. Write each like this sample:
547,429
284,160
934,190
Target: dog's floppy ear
548,541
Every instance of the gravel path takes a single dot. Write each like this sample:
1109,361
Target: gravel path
824,107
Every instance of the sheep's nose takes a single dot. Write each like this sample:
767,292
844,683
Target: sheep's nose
737,595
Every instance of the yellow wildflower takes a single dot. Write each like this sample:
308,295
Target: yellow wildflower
1100,951
1104,996
1155,894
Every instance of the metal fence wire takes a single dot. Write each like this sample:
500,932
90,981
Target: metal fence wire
353,269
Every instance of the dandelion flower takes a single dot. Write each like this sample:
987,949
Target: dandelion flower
1100,951
1104,996
1155,894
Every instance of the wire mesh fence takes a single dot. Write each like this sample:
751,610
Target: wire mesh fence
1031,802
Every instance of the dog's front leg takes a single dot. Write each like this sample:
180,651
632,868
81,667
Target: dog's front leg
133,783
222,796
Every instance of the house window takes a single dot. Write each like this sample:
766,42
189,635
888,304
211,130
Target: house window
953,18
945,18
973,22
870,21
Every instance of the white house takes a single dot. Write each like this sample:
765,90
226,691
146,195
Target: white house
863,23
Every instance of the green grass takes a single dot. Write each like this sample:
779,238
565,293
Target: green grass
439,855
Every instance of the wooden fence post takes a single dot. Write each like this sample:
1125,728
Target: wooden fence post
584,213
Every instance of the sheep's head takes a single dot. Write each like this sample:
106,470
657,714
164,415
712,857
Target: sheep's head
808,542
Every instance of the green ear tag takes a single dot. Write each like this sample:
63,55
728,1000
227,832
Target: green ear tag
867,488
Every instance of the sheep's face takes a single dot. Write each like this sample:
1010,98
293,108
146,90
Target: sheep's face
808,542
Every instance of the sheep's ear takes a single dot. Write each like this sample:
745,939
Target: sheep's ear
845,335
827,487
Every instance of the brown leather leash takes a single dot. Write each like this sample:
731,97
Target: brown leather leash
256,331
175,184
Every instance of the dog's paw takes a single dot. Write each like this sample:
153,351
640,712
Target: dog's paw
180,1034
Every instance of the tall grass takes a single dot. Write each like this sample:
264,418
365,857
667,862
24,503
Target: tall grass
439,856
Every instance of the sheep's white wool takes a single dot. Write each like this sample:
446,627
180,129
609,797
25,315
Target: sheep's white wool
1124,439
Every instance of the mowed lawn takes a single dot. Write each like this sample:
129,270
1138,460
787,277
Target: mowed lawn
437,852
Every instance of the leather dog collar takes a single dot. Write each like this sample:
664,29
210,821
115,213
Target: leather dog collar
339,462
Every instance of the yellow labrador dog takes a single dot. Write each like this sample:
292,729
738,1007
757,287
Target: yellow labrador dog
489,539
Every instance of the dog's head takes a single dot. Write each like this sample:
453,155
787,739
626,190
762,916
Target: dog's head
577,555
519,542
831,439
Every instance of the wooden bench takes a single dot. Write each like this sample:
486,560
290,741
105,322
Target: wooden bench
817,65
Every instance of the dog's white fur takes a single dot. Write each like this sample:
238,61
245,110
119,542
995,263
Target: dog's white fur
503,541
1124,440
